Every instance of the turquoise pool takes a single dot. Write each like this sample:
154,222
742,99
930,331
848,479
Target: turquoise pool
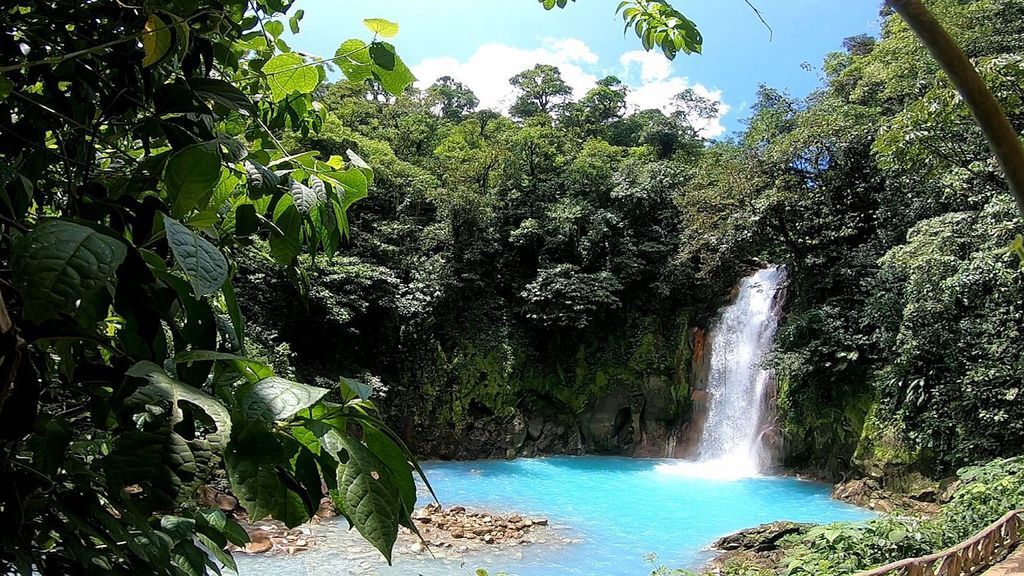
616,511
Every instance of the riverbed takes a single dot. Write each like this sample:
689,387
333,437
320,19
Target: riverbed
606,515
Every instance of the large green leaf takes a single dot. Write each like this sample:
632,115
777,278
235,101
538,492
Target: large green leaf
262,180
254,463
354,185
274,399
165,465
305,198
287,73
221,92
61,263
204,264
381,27
191,175
286,240
369,497
358,63
392,455
156,40
159,461
162,387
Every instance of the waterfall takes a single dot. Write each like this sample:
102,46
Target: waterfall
740,393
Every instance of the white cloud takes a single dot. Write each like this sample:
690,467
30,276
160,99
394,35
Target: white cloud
648,74
488,70
654,67
657,86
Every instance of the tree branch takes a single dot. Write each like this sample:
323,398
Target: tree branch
1002,137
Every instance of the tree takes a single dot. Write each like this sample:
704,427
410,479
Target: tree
453,99
657,23
541,91
694,109
605,102
988,113
141,152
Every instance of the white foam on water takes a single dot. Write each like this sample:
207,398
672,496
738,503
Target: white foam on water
721,469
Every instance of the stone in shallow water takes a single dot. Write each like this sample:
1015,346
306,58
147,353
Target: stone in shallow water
763,538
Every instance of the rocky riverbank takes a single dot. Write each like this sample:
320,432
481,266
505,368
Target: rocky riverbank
760,546
925,498
439,532
460,528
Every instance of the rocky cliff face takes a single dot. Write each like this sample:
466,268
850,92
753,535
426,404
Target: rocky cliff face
639,405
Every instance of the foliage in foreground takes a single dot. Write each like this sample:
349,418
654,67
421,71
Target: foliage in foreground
133,170
987,493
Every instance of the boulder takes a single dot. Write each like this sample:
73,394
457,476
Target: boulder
259,542
860,491
763,538
535,427
226,502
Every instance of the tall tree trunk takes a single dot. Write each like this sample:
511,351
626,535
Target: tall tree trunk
1002,138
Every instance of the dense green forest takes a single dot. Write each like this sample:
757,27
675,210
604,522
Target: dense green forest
552,267
224,261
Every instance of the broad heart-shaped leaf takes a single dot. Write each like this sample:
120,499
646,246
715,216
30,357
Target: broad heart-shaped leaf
205,265
286,241
61,263
351,388
354,185
275,28
274,399
191,175
381,27
160,462
166,465
156,40
369,497
256,467
262,180
358,64
305,198
162,387
391,454
287,73
221,92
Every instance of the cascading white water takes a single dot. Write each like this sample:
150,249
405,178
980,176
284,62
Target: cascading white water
737,383
732,440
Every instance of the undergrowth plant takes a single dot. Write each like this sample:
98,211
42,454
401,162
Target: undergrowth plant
140,151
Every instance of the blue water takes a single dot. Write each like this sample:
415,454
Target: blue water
616,510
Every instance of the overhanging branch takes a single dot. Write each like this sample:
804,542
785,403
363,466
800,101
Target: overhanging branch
1002,137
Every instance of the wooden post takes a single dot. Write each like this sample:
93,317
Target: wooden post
1002,138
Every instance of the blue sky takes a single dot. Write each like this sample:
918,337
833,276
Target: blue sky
484,42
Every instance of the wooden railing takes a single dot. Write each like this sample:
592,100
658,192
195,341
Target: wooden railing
970,557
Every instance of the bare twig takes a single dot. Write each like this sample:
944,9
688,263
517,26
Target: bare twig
760,16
